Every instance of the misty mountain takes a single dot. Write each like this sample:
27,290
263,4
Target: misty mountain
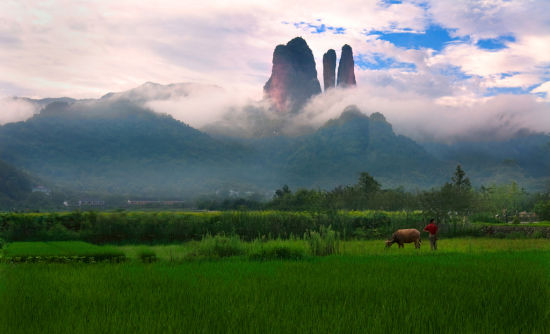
14,184
336,153
151,91
117,145
524,159
41,103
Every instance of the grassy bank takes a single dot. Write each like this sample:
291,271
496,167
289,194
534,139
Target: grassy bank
181,252
210,249
59,251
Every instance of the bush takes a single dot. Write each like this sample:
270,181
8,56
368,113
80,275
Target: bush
114,258
324,242
2,243
162,227
61,251
219,246
485,218
277,252
516,235
147,255
515,220
538,235
542,210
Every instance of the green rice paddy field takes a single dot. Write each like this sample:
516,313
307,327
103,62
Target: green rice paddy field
473,285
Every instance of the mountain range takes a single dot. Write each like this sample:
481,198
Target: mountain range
116,144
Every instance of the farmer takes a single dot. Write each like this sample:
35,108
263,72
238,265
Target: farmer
431,228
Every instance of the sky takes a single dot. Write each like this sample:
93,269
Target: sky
456,62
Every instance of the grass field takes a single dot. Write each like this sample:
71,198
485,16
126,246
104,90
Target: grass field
543,223
181,252
469,286
186,251
446,293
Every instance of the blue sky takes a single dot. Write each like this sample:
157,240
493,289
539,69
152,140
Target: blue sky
380,62
497,43
318,27
435,37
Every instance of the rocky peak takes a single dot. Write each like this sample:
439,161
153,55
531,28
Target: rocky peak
329,69
346,74
293,78
378,117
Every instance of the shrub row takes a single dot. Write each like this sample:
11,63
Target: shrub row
65,259
169,227
277,252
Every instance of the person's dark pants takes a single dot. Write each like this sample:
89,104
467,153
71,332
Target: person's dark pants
433,241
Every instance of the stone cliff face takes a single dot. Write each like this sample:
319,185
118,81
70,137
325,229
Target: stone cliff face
293,78
329,69
346,74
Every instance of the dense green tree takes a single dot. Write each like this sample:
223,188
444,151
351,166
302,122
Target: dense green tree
284,191
460,181
367,184
14,184
542,210
458,195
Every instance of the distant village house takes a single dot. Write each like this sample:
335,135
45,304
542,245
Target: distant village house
86,202
155,203
41,189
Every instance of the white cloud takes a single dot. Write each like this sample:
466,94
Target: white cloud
491,18
524,80
85,49
200,107
543,89
444,119
14,110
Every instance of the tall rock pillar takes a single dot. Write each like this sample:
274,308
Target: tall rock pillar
346,74
293,78
329,69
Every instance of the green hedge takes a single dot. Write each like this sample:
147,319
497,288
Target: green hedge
60,252
169,227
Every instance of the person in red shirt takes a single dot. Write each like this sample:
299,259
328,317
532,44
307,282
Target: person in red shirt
432,229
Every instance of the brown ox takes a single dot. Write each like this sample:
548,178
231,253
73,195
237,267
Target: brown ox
404,237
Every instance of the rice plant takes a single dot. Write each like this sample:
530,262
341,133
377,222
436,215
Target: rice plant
448,292
324,242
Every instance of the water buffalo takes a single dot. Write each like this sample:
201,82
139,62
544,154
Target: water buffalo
404,237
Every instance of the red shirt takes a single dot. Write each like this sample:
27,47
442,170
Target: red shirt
432,228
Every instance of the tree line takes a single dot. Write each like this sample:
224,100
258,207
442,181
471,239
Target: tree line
455,199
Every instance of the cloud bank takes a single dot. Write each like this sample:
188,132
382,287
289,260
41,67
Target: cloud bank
435,68
442,120
445,119
15,110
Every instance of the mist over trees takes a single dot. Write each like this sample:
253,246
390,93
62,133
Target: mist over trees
455,199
